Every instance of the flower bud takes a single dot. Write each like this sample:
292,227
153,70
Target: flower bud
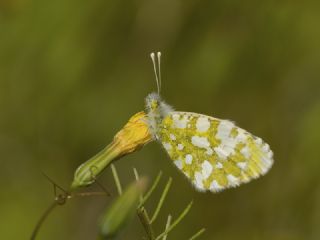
122,210
132,137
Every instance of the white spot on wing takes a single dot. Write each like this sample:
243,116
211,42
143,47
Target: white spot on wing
233,181
270,154
215,187
242,165
258,141
245,152
221,152
266,148
267,163
224,129
175,116
198,181
201,142
219,165
180,123
172,137
209,151
188,159
178,163
206,169
241,137
167,146
202,124
228,143
180,146
229,149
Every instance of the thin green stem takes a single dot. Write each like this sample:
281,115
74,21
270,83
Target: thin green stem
153,187
116,179
41,220
176,222
136,175
145,221
167,226
161,201
197,234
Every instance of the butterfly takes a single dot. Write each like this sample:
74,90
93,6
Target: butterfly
214,154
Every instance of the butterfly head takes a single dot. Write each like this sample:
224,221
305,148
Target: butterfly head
156,108
153,102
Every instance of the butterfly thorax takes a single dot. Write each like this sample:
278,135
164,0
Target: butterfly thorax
157,110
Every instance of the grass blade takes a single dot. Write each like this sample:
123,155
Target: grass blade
136,175
161,201
153,187
167,226
116,179
198,234
176,222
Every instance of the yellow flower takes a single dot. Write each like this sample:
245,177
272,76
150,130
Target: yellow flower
132,137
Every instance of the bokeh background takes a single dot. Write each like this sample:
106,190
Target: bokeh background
72,73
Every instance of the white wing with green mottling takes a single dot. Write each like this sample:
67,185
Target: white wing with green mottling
213,153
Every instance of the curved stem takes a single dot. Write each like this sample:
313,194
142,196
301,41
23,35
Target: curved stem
41,220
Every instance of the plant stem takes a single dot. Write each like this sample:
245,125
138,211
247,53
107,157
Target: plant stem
41,220
161,201
167,226
145,221
198,234
116,178
136,175
153,187
182,215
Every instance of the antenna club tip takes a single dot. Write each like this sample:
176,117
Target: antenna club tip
152,55
159,54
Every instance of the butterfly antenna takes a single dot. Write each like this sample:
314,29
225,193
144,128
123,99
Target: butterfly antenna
159,68
152,55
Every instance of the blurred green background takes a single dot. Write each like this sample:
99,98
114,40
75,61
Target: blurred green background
73,72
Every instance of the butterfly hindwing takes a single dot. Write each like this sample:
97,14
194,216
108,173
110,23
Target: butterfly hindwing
213,153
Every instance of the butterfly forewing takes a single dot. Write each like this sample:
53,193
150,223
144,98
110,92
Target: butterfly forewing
213,153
